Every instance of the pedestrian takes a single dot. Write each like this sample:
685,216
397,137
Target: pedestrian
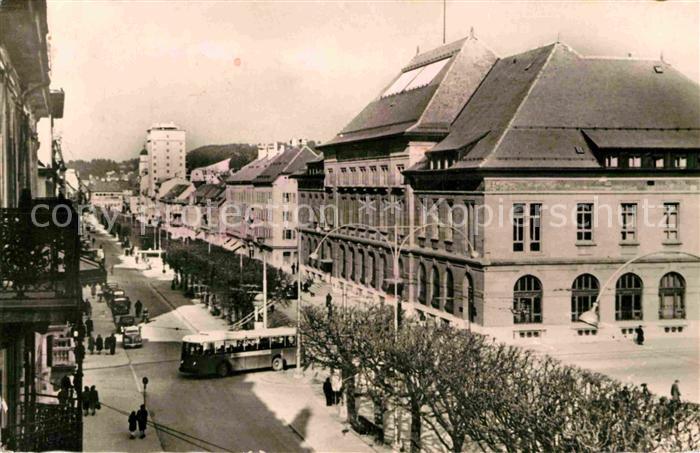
646,394
111,269
93,290
640,335
112,344
142,419
91,344
328,391
329,305
87,307
63,397
99,343
85,400
132,425
675,392
89,327
144,318
94,399
138,306
337,387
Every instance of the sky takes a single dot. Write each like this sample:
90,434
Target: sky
264,71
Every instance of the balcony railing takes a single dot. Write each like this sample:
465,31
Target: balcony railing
39,262
62,353
46,427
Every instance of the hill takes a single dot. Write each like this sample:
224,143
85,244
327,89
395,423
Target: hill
99,167
239,153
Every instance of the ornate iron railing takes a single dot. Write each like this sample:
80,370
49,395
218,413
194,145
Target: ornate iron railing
39,251
46,426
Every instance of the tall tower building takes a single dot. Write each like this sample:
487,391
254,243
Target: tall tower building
144,180
165,148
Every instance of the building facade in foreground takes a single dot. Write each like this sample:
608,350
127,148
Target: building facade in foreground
558,182
40,258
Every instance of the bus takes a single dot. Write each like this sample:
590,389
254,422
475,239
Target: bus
223,352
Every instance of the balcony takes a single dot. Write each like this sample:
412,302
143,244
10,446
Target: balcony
39,263
46,427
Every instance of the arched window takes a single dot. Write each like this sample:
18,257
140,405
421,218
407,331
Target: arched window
468,297
527,300
402,277
435,295
380,271
672,296
352,262
422,285
584,292
371,258
449,292
628,298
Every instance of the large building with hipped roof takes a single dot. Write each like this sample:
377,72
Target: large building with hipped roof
530,193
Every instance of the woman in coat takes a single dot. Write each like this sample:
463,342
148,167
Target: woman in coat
99,343
94,399
132,425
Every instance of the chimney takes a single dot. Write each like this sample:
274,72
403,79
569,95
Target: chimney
262,150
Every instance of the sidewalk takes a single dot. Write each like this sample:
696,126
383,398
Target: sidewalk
304,409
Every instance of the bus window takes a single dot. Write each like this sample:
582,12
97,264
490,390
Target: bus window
209,349
191,349
276,342
220,348
291,341
264,344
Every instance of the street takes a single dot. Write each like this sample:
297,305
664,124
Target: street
260,411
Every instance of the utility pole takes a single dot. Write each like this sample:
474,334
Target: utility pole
444,21
298,370
264,287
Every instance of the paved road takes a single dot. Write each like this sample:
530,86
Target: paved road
262,411
224,412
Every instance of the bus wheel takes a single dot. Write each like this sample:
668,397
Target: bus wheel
278,364
223,370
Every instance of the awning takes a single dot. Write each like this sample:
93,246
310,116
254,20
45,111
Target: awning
641,139
91,271
231,245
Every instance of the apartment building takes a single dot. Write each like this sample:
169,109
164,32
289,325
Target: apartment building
563,181
163,156
262,203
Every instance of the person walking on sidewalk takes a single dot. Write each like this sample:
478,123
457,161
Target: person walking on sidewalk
91,344
132,425
112,344
89,327
85,400
138,306
337,387
142,419
640,335
99,343
328,391
94,399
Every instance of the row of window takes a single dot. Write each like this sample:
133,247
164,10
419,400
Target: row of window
654,160
373,175
527,297
527,224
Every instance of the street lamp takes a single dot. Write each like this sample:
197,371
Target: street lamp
396,247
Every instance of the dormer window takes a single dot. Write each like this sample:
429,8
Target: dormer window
611,161
680,161
634,161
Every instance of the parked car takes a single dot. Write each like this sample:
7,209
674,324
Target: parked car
132,337
120,306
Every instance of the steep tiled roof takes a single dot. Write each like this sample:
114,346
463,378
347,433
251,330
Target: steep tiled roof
249,172
207,192
428,108
290,161
175,192
533,109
